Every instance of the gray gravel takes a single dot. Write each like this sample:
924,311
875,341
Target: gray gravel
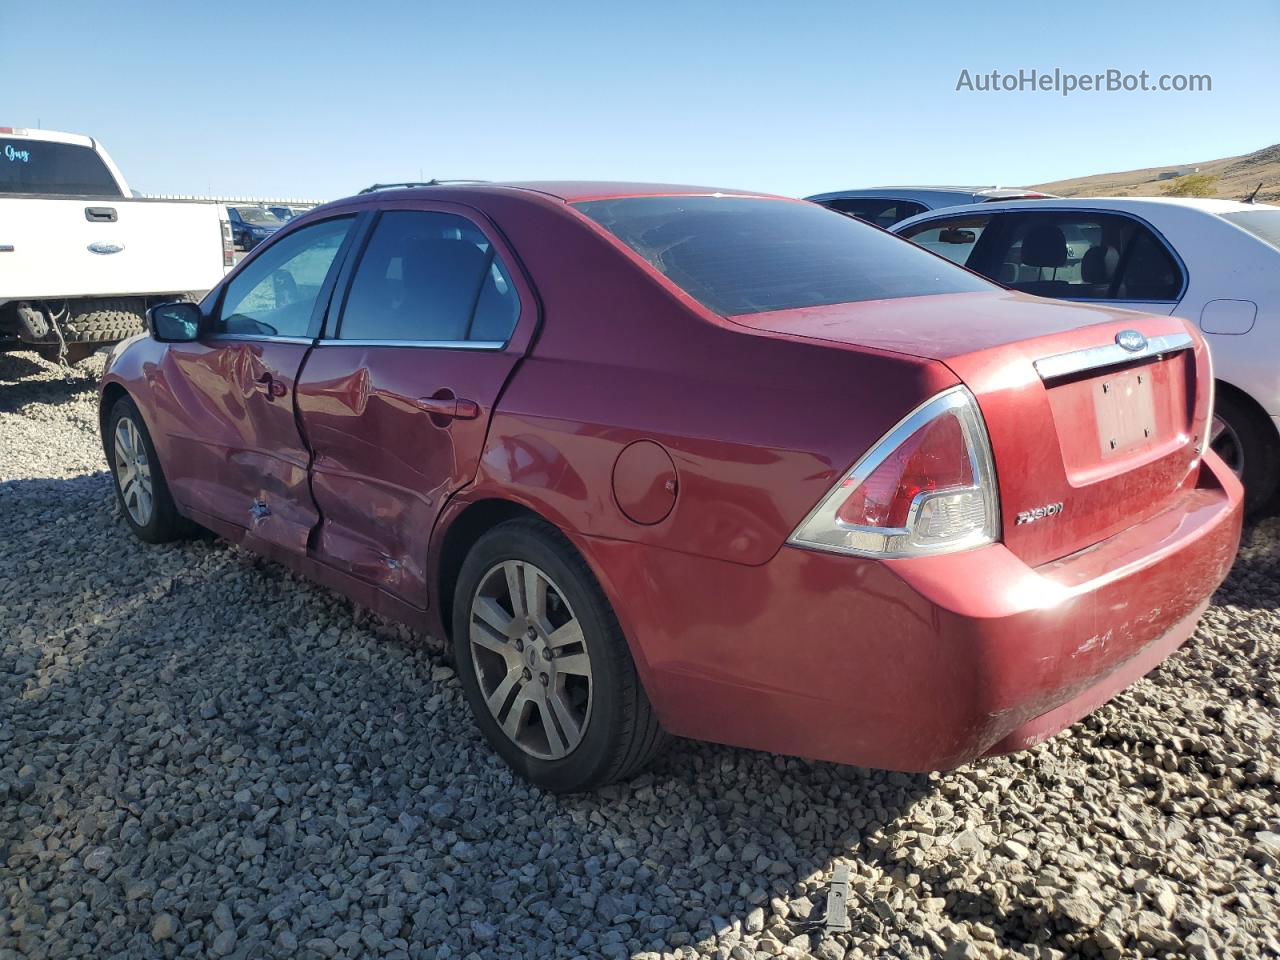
201,755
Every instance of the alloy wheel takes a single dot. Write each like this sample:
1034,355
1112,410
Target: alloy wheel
133,471
531,659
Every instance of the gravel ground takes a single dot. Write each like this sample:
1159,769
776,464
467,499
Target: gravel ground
201,755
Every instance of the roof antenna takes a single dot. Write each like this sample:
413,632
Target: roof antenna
1253,196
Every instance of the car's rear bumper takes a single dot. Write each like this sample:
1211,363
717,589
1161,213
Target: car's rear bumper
916,664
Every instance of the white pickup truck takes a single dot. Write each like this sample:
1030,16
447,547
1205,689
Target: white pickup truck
81,258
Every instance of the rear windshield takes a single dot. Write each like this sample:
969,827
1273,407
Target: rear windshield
1263,224
40,166
740,255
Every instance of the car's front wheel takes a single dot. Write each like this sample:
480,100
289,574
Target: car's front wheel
144,496
544,663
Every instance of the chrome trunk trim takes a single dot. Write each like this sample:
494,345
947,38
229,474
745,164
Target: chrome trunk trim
1109,355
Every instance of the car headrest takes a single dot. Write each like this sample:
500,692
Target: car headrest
441,281
436,259
1099,264
1044,246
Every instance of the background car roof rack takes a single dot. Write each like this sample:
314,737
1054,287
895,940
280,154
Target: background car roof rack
414,183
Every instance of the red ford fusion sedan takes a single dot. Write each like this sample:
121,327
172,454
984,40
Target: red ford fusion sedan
673,460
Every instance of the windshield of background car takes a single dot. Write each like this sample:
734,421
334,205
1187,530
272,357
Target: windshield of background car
66,169
259,217
1263,224
741,255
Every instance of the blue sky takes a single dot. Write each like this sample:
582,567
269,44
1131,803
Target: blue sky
321,98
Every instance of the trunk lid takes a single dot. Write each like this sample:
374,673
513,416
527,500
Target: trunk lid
1088,437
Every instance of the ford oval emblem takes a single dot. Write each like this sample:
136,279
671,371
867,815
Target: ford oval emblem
104,248
1131,340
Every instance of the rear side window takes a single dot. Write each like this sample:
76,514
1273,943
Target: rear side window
954,239
1079,256
40,166
741,255
883,213
428,276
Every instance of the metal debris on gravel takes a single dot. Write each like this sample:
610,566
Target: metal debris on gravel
201,755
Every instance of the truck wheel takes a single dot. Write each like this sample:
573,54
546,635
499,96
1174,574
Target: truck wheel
144,496
544,664
103,321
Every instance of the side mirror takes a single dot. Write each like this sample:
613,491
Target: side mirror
174,322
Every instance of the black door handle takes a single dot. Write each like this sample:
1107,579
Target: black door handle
100,214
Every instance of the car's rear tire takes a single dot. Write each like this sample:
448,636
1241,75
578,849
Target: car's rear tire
145,501
560,660
1247,443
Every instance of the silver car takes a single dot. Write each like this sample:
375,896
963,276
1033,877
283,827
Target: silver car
885,206
1215,263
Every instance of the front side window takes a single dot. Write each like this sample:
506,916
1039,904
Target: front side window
275,295
428,276
954,238
881,212
742,255
1079,256
41,166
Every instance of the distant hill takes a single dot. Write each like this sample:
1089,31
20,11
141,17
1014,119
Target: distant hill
1237,177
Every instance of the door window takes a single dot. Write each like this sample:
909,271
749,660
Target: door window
432,277
879,211
954,238
275,295
1080,256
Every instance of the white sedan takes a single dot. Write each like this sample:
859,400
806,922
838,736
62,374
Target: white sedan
1215,263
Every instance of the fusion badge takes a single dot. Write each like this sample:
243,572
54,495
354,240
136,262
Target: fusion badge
1039,513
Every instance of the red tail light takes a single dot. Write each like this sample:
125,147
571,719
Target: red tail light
228,244
933,458
927,487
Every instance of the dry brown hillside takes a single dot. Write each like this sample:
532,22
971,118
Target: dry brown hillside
1237,177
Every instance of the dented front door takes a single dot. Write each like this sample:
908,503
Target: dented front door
228,399
248,464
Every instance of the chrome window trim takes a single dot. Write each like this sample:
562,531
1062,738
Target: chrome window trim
1116,302
1108,355
257,337
436,344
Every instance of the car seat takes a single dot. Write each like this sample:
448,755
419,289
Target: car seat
1044,246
